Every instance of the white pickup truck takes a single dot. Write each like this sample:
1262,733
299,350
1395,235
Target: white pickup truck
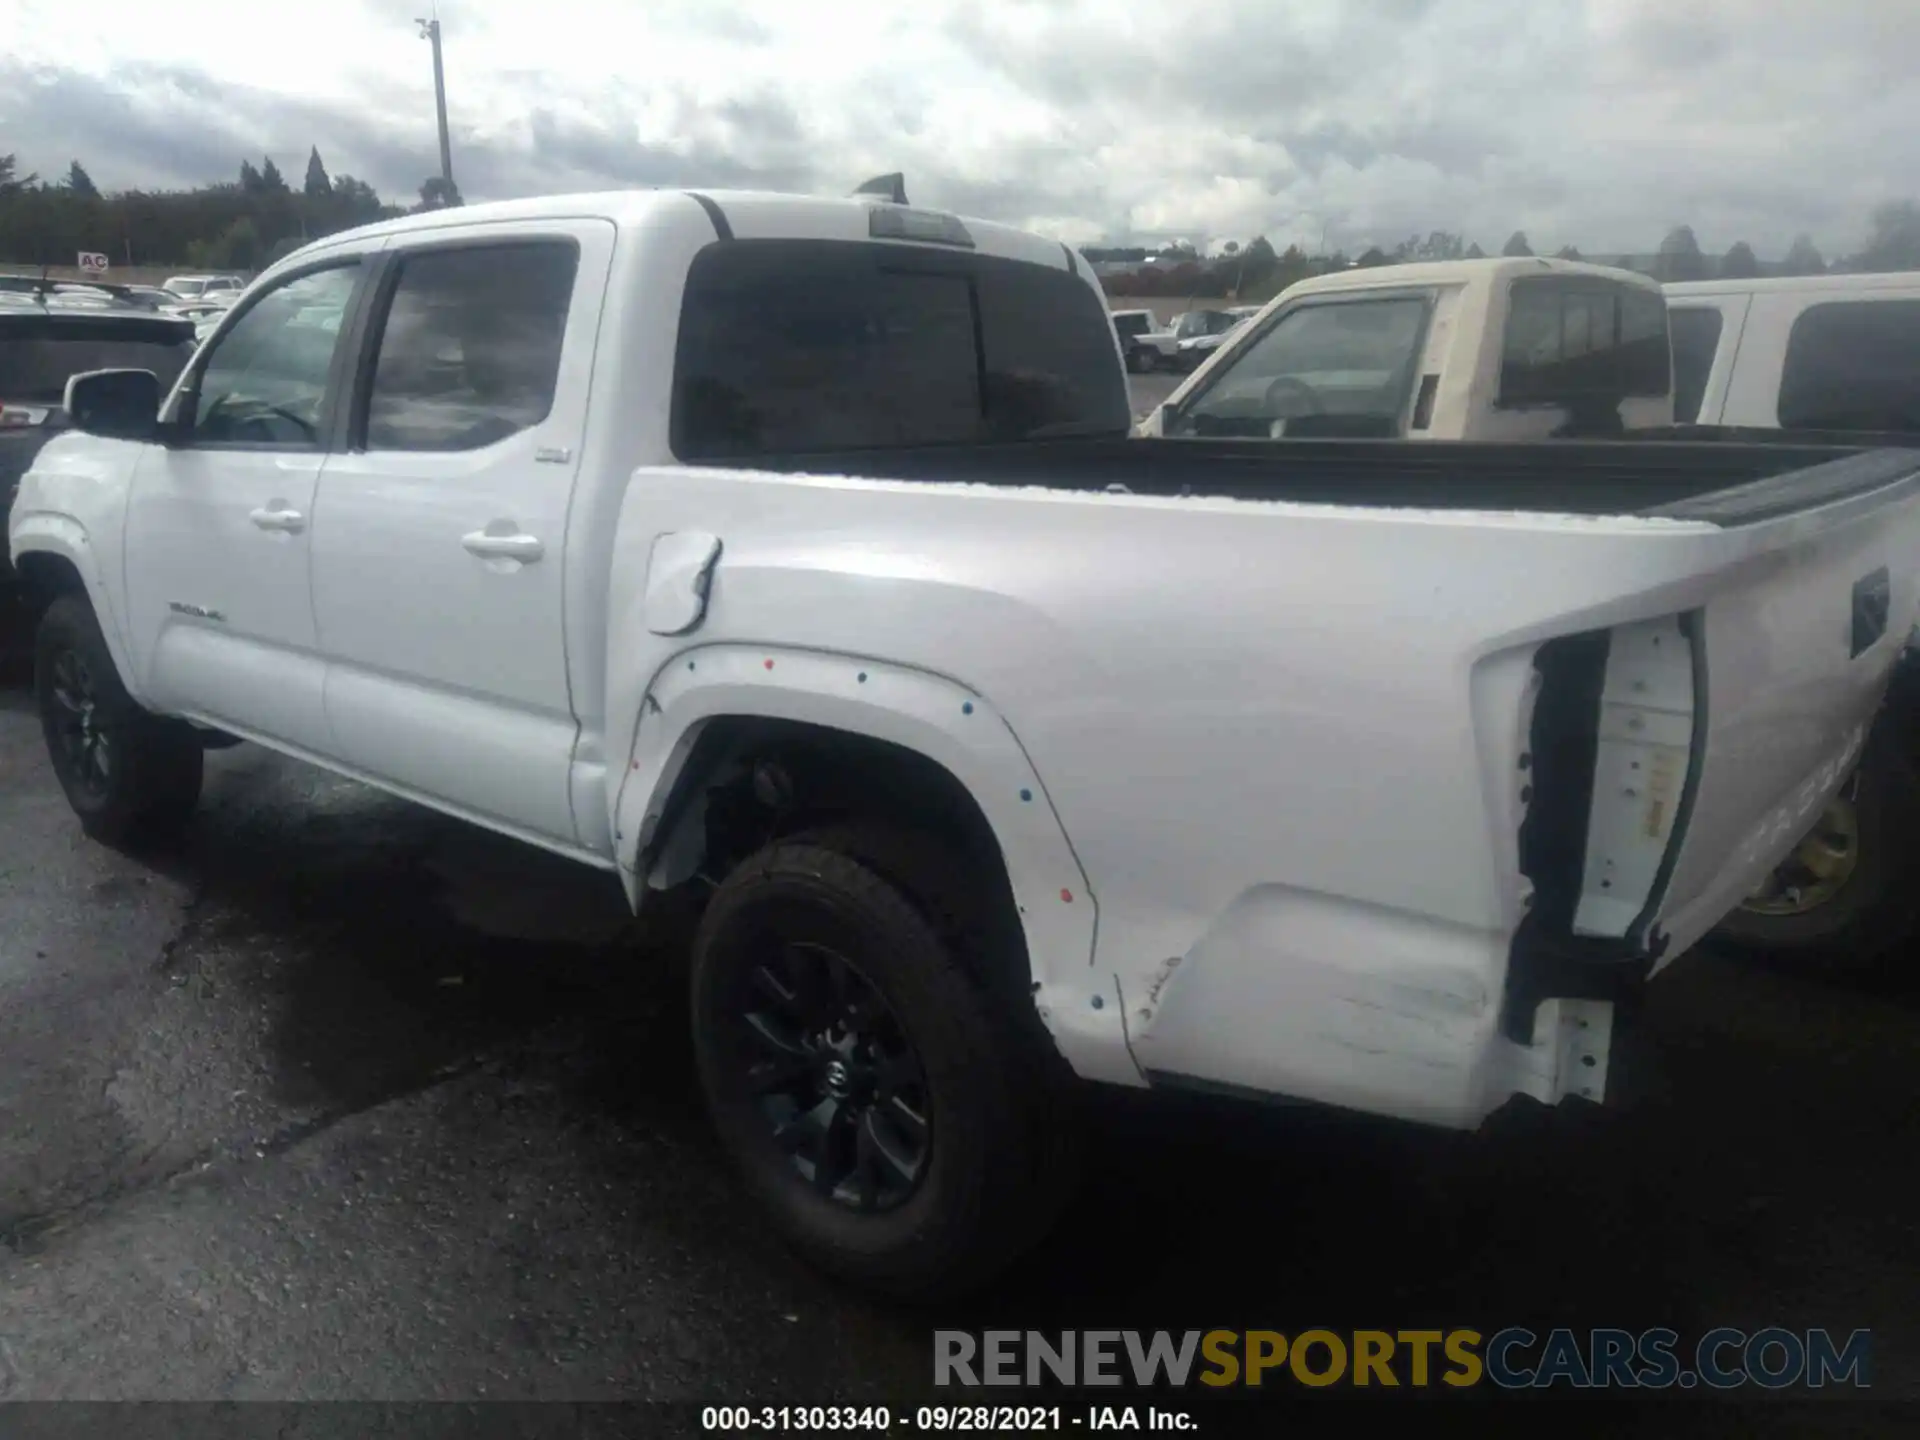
795,550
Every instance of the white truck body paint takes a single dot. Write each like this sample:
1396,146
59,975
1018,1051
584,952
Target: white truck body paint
1253,766
1304,916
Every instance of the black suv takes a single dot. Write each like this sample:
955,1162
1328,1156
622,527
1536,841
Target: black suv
43,340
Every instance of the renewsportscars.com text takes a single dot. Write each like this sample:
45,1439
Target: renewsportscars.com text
1515,1358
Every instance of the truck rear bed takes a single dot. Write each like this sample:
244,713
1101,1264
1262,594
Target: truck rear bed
1724,483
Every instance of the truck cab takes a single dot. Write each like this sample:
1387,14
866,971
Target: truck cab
1501,349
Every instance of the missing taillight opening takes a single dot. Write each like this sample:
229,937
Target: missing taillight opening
1610,756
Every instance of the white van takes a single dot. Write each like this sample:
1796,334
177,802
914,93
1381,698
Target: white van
1812,352
1834,354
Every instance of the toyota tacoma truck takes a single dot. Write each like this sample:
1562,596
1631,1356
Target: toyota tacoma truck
794,553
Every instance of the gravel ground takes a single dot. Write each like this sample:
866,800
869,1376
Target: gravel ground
346,1101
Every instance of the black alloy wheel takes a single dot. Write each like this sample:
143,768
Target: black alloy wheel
81,734
840,1087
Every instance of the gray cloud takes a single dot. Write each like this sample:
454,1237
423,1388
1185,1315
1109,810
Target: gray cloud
1367,120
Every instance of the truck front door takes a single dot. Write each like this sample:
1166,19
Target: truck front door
218,539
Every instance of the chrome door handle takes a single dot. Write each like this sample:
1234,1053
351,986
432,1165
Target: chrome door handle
507,547
290,521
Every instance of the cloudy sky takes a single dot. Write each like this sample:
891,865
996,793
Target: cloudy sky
1596,122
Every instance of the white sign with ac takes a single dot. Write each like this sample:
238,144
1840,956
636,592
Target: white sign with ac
92,262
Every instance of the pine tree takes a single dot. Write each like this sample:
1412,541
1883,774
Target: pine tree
318,186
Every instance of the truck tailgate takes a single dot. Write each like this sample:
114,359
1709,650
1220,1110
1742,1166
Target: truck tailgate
1736,722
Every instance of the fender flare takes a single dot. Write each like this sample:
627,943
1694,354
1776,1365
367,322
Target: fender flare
936,717
51,533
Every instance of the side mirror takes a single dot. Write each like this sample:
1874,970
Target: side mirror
115,404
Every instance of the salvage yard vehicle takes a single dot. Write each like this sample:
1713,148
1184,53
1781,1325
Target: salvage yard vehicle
203,287
1500,349
1828,357
41,345
1172,348
1128,325
794,553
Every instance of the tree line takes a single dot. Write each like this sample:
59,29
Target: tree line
1256,272
243,224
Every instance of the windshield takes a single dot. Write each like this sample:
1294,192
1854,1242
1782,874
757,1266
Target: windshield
36,361
186,288
1329,367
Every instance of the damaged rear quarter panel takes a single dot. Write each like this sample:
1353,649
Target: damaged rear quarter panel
1281,739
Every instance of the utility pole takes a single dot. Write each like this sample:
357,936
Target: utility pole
430,31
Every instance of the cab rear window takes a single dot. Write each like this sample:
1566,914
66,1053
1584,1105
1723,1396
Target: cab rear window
802,346
1571,338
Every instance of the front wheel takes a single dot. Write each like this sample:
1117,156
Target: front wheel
885,1109
129,775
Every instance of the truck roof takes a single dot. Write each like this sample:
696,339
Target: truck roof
747,214
1786,284
1455,272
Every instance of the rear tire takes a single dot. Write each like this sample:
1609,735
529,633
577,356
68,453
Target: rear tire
132,777
1874,912
930,1201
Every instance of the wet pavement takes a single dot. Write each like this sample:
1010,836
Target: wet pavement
344,1100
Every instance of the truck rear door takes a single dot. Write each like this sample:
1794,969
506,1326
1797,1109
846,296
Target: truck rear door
1724,729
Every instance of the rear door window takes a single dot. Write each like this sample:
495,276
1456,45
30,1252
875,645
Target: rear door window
1696,339
469,350
1570,338
1853,365
800,346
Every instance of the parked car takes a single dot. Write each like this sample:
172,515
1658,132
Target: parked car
1193,351
998,747
42,345
1128,326
199,287
1161,349
1498,349
1197,333
1831,356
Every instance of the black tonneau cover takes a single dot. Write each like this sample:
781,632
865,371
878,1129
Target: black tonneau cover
1725,482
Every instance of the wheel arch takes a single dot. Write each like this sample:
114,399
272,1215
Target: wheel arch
55,557
855,737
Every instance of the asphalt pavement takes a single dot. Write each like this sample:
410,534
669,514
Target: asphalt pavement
342,1100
